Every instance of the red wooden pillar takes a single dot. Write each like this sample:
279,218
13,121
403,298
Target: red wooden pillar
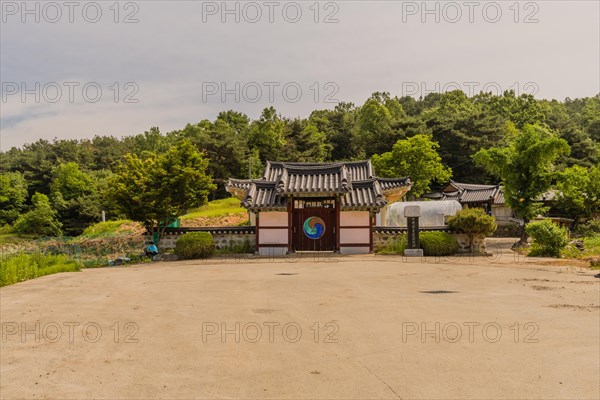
371,230
337,223
289,211
257,231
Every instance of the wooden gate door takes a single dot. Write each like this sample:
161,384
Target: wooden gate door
314,229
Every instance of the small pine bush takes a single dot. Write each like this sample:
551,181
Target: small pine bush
548,238
438,243
472,222
195,245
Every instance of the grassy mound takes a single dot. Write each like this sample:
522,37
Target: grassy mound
223,212
104,241
121,227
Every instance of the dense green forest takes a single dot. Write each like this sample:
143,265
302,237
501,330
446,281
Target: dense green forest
71,176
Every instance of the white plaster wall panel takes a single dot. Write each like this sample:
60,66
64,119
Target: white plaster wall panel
273,218
354,218
358,236
272,236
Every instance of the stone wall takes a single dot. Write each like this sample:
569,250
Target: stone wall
383,234
243,236
380,239
223,237
463,243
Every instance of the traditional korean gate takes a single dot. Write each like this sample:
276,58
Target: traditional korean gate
314,225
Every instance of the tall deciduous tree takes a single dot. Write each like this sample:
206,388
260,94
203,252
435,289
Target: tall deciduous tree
461,128
157,189
75,197
376,123
526,167
41,220
337,124
224,146
13,194
267,135
416,158
305,142
579,192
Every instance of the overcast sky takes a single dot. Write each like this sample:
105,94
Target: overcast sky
81,69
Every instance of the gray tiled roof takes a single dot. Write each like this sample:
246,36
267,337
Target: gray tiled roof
364,193
262,194
470,186
353,181
473,193
356,170
469,193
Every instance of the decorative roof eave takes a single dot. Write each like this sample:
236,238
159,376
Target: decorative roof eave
238,193
282,183
248,199
345,184
238,187
394,195
394,188
380,198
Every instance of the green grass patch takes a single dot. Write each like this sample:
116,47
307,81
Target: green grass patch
217,208
395,245
11,238
591,251
109,228
591,245
8,237
20,267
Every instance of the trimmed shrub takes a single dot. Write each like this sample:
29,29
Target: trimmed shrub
195,245
472,222
548,238
438,243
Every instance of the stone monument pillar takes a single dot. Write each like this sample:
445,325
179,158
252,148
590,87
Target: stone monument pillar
413,248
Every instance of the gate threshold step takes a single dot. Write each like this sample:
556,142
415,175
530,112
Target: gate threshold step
314,252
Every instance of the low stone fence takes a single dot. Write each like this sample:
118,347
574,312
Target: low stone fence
226,237
463,243
229,237
382,234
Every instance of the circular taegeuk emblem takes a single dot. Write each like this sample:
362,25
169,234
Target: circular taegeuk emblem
314,228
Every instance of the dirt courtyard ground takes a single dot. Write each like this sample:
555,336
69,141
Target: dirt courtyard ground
377,327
